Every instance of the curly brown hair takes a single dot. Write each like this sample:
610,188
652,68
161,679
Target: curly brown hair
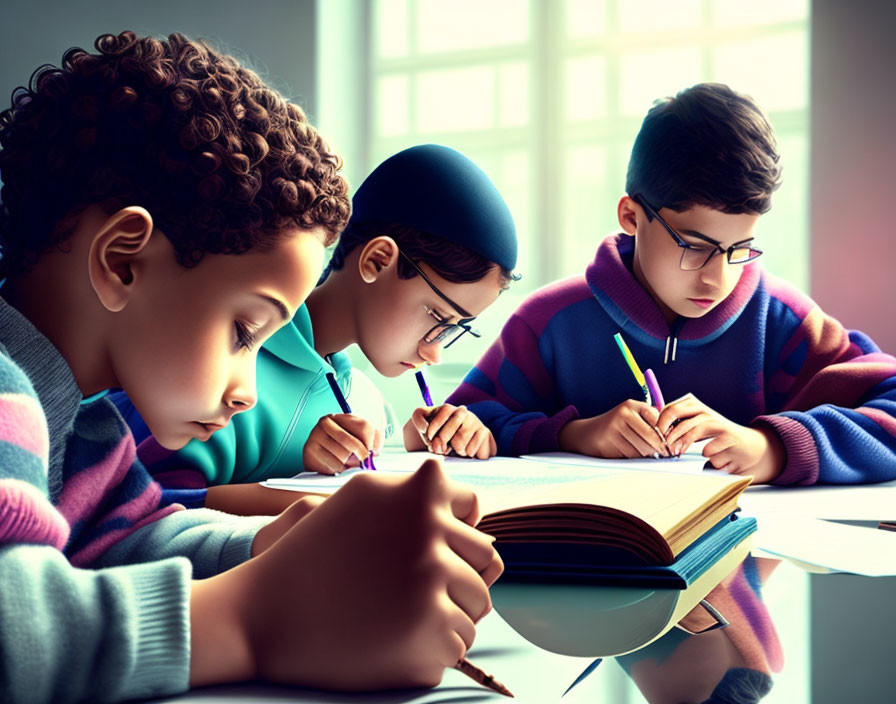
222,162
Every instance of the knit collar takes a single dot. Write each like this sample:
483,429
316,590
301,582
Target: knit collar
613,283
52,379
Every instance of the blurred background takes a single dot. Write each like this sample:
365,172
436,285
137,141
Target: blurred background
547,96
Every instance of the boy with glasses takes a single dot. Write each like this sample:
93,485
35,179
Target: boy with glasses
430,245
781,391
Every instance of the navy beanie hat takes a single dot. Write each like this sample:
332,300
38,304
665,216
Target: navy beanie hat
439,191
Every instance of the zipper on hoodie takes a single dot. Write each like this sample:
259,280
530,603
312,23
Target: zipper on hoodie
672,340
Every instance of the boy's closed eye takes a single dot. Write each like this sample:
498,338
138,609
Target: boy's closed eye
246,337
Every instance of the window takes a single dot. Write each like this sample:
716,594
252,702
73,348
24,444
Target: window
547,97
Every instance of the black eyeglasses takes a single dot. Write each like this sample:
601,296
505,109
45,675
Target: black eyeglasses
443,330
694,256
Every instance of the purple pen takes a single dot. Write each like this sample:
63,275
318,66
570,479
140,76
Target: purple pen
424,389
656,396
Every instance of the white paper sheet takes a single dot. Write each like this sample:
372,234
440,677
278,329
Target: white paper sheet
830,547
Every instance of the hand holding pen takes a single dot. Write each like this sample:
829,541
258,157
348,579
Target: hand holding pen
447,429
649,385
627,431
339,437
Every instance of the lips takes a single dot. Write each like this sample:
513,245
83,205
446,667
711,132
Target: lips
210,427
702,302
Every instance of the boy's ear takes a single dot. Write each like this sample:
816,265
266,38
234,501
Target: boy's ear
114,256
627,211
378,254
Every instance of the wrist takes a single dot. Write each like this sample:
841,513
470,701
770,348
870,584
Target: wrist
775,456
568,437
412,440
220,650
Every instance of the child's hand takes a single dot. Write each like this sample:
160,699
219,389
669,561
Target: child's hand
339,440
378,587
629,431
734,448
446,427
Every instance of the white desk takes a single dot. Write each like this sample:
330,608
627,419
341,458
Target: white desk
538,676
533,675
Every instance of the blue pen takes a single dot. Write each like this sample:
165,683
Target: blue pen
343,404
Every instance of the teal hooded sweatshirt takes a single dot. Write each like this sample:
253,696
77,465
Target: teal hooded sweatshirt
266,441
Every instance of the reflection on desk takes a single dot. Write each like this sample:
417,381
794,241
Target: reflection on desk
678,667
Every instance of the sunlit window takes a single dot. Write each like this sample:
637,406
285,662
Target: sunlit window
547,97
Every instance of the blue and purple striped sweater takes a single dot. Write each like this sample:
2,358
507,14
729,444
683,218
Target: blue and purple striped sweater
766,355
95,572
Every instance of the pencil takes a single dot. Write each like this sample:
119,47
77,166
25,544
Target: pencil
486,680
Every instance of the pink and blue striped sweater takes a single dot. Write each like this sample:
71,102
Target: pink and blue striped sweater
94,573
766,355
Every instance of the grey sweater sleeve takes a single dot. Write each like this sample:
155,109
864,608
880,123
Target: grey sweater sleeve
105,635
213,541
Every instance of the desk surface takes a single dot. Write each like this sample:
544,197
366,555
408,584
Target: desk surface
816,634
797,609
532,674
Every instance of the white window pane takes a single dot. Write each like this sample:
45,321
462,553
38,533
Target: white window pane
453,25
586,18
514,100
392,100
657,74
659,15
391,28
587,198
586,88
774,70
782,233
737,13
456,99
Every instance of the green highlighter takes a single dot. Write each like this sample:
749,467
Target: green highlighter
633,365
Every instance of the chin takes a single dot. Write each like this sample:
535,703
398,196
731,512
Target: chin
171,441
389,371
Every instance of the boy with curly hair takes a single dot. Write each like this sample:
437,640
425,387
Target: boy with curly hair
783,392
163,214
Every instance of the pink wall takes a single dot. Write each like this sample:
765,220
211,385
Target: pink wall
853,164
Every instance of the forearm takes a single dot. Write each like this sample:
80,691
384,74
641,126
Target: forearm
250,499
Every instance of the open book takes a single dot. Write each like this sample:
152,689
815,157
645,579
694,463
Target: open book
588,524
619,527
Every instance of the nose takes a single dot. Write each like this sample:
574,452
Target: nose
714,273
241,393
430,351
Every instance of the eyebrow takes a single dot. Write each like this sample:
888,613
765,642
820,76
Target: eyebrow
710,240
279,305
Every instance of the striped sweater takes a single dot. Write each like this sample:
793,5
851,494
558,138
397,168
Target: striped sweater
95,572
767,355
